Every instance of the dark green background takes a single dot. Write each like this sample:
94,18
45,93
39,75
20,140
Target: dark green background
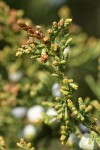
85,12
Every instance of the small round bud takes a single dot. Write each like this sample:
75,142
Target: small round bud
55,63
69,105
46,39
63,62
68,20
75,112
67,122
73,108
49,31
44,58
32,45
29,145
88,109
63,137
69,101
82,107
38,27
28,50
58,106
54,47
80,100
63,128
65,80
57,99
22,141
61,22
65,93
74,86
70,80
19,53
60,115
54,24
20,22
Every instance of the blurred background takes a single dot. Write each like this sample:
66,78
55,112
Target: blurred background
86,13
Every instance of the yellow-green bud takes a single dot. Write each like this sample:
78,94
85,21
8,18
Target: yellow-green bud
59,111
49,31
29,145
54,24
89,108
68,41
82,107
65,80
54,47
63,132
58,106
63,127
55,63
63,87
60,115
19,53
63,137
70,80
63,61
73,108
75,112
68,20
67,122
57,98
80,100
46,39
28,50
74,86
82,118
32,45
